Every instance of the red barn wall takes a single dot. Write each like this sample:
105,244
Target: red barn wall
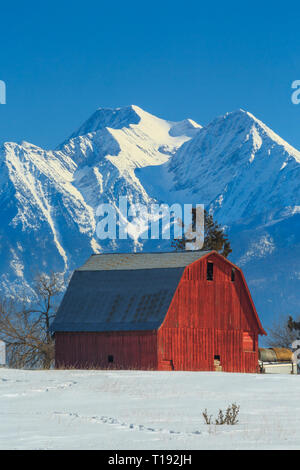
130,350
209,318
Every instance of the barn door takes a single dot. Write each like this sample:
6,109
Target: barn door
217,363
166,364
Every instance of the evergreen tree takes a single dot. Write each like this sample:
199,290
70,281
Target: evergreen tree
214,236
294,326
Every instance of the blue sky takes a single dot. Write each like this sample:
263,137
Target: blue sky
62,60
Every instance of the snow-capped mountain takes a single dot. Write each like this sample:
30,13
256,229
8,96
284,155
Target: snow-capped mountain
48,198
241,170
237,167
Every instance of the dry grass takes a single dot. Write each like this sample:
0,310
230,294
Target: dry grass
229,416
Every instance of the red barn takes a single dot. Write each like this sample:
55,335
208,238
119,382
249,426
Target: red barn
187,310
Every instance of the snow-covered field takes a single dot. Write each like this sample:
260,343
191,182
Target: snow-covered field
146,410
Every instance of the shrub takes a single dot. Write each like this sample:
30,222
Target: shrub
228,416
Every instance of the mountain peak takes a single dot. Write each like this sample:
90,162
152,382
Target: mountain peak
125,117
109,117
186,127
240,115
241,123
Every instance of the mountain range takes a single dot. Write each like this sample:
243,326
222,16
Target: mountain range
243,172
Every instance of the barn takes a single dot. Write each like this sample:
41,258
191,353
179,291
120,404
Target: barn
189,310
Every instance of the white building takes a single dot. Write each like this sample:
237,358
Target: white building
2,353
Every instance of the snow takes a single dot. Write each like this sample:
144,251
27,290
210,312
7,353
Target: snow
186,127
258,249
146,410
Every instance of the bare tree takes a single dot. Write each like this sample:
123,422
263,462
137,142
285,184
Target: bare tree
282,334
26,331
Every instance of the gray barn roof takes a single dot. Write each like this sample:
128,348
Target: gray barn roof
122,292
122,261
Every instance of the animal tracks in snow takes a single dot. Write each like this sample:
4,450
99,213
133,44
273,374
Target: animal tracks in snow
126,426
50,388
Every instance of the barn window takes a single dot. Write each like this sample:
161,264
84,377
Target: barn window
233,274
110,358
210,271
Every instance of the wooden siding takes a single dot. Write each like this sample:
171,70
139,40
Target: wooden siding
195,349
207,319
130,350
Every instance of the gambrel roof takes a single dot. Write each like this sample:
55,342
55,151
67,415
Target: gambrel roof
126,291
122,291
